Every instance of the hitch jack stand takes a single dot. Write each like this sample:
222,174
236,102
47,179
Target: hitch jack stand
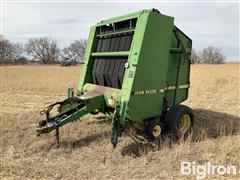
57,136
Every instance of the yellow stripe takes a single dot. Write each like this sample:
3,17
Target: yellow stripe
154,91
184,86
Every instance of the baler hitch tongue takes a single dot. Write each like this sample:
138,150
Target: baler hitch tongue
69,110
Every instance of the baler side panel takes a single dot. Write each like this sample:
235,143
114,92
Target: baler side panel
183,82
151,68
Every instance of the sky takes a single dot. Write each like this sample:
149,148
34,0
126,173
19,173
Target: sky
206,23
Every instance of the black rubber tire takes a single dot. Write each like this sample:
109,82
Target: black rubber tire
172,121
150,126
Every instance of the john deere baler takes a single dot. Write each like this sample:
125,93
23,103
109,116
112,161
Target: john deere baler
136,70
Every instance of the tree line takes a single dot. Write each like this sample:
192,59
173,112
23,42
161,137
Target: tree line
46,51
209,55
39,50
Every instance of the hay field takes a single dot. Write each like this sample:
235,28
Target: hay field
86,151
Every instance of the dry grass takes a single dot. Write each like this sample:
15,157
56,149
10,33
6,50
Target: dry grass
85,150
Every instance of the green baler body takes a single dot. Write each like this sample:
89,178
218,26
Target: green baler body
136,69
152,68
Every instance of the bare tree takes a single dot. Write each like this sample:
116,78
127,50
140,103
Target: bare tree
76,50
212,55
17,54
43,49
6,50
195,57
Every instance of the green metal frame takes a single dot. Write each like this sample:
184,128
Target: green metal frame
91,104
115,33
110,54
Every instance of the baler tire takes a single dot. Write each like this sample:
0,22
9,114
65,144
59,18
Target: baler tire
173,119
150,128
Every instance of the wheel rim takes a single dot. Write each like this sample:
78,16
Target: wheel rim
185,123
156,131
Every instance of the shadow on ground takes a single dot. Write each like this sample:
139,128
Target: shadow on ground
91,138
101,119
211,124
86,141
208,124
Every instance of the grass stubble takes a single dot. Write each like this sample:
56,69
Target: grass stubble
86,151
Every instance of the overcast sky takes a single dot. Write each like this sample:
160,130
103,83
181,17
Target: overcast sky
209,23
